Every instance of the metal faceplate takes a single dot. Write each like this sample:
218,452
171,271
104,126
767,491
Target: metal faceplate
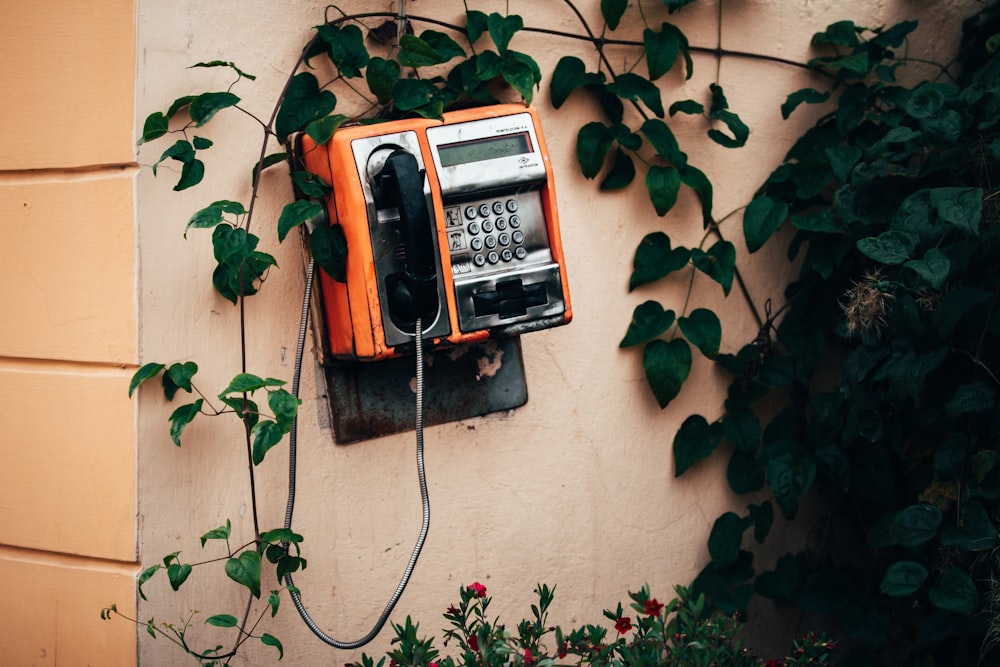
388,249
501,258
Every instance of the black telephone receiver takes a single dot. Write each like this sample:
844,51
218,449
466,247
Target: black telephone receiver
414,292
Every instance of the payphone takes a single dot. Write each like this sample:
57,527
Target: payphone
452,235
453,222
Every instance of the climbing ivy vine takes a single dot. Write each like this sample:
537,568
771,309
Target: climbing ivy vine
884,361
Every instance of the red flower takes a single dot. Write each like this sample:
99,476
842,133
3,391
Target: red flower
528,659
433,664
563,650
623,625
653,607
478,589
474,643
774,663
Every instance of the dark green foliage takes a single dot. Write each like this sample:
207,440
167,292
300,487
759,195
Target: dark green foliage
891,199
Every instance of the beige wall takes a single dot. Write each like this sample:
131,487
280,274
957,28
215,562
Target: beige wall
575,489
68,341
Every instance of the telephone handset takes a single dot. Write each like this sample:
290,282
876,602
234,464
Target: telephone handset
412,295
454,222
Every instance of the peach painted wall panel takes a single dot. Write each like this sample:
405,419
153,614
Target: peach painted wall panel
51,614
69,268
68,76
68,480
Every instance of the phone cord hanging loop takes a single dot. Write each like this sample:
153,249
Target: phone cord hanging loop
425,499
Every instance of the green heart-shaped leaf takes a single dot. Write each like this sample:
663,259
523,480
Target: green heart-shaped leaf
663,184
890,247
696,439
295,214
181,417
205,106
593,142
903,578
655,259
381,75
502,29
761,219
667,366
178,573
245,570
222,621
649,320
303,103
346,48
703,330
266,434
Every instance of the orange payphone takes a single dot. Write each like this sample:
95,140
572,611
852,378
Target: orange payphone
452,222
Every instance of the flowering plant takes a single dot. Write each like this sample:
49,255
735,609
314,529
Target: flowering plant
679,632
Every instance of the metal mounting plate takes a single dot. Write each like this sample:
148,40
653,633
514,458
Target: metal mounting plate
369,400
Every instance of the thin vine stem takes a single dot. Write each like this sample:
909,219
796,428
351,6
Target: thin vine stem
718,44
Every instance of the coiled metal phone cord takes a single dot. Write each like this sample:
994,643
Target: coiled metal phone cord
293,441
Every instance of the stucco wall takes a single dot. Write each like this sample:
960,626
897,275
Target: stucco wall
68,338
575,489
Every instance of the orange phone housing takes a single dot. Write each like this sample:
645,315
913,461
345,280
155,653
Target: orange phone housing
487,183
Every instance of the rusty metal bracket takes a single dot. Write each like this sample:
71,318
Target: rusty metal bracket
369,400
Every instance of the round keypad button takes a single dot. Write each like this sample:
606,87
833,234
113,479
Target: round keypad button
491,242
515,221
493,257
517,237
506,254
511,205
497,207
484,210
473,228
470,212
504,239
520,252
476,244
487,226
501,224
479,260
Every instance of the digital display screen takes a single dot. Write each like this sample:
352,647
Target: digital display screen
484,149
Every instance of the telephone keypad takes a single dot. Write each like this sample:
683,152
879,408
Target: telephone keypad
484,227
